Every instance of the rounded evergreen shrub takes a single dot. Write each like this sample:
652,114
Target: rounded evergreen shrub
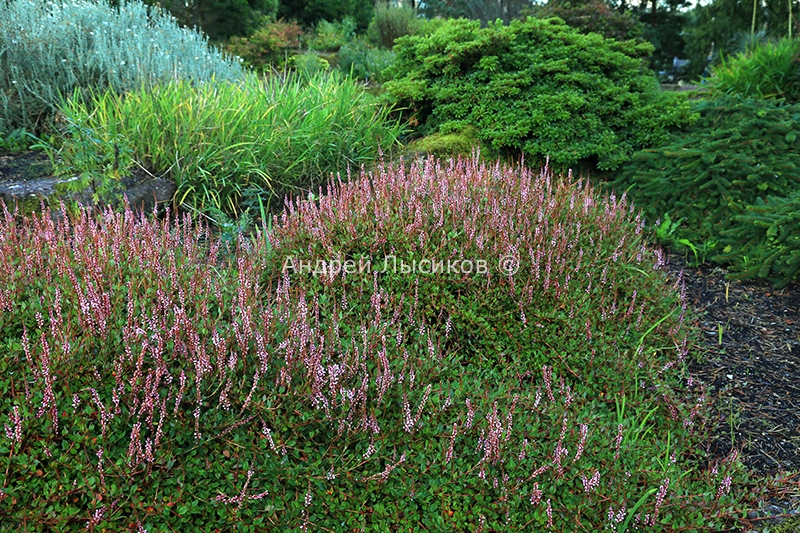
538,87
47,49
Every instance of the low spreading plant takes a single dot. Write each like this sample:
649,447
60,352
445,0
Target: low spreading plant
564,307
156,378
538,87
227,143
764,241
47,49
739,152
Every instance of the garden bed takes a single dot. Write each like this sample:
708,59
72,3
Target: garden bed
759,348
749,360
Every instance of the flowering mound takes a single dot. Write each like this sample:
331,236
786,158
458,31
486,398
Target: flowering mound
156,380
498,260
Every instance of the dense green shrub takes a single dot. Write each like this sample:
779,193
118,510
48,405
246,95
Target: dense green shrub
538,87
364,61
225,142
764,241
769,70
330,36
221,19
719,28
49,48
154,379
310,12
741,150
269,45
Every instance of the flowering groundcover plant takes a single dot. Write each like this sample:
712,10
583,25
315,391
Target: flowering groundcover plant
156,379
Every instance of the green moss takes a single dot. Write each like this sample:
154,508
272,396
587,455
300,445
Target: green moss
448,145
24,205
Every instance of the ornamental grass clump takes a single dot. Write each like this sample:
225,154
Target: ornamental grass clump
157,378
47,49
225,144
768,70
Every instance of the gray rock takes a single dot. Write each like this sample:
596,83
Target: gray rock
26,181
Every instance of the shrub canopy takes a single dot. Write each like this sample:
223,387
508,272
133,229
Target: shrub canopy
741,151
538,87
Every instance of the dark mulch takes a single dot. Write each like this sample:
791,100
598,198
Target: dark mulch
750,364
753,368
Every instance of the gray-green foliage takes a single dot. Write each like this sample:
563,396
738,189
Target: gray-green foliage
364,61
47,49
